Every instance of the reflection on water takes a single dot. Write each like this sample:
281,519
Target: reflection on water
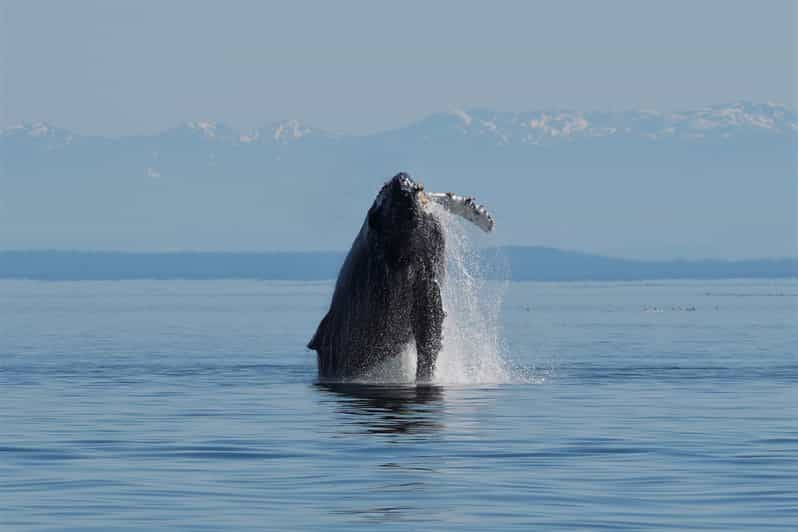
402,417
389,409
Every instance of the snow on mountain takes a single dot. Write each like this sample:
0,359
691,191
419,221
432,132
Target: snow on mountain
551,126
285,133
542,127
291,130
280,133
210,130
39,132
204,130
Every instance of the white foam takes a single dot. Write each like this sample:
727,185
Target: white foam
473,351
472,341
399,370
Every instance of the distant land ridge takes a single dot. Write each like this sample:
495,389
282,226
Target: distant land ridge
525,263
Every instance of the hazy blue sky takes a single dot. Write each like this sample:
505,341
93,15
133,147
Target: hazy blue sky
132,67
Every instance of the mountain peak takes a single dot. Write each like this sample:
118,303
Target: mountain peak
539,127
289,130
557,125
36,129
41,134
209,130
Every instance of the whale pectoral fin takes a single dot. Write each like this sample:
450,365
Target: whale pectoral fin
465,207
428,329
316,341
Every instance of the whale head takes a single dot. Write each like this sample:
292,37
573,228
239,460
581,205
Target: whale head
399,218
398,206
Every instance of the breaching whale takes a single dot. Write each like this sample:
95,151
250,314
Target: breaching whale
388,292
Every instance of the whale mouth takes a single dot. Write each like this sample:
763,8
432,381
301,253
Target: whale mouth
463,206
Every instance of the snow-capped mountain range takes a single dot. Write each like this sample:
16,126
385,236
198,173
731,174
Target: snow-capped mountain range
642,183
545,127
558,126
280,133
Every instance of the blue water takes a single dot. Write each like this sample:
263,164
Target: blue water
193,406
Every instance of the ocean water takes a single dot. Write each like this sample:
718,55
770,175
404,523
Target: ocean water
147,405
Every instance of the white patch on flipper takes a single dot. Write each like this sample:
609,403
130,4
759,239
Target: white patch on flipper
465,207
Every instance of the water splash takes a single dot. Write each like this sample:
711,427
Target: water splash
473,351
398,370
472,341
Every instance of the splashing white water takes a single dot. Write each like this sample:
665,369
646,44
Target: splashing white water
472,345
472,350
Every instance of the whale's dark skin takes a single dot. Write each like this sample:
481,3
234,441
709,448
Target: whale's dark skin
388,291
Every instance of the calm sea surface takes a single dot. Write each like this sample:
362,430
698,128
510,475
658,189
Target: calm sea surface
194,406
